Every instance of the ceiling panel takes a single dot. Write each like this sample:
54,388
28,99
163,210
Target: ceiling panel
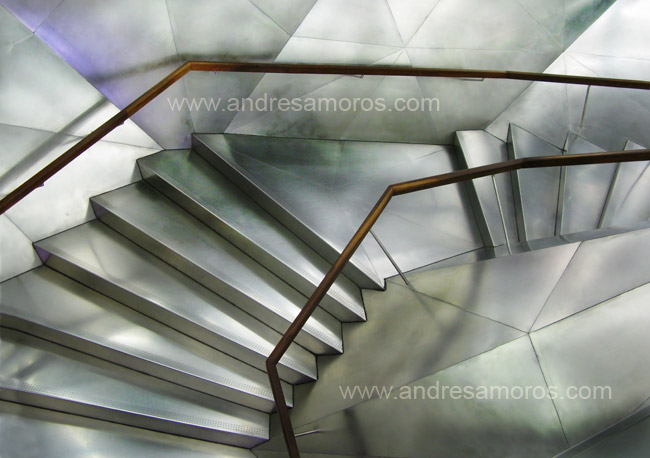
31,12
224,30
357,21
288,14
409,15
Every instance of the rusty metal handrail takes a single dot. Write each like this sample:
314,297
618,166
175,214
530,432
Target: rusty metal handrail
49,170
395,190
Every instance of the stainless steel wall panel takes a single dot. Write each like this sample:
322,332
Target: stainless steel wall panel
600,347
601,269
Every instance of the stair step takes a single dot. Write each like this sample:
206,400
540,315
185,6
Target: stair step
45,303
191,182
477,148
44,433
535,190
219,151
96,255
583,190
628,199
165,229
43,374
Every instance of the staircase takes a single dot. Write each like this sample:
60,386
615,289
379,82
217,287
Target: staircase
160,313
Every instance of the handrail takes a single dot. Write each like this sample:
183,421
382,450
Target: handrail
395,190
123,115
49,170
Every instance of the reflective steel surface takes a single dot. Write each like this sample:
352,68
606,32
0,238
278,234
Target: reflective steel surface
478,148
137,211
191,182
39,373
29,431
600,347
603,268
535,191
46,303
422,426
98,256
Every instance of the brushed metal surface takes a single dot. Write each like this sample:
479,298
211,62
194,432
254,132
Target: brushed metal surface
18,256
46,375
510,289
161,227
446,427
49,305
29,432
407,336
535,191
103,259
192,183
603,346
627,202
478,148
586,189
222,152
603,268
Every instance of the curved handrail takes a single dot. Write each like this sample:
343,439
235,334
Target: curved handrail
49,170
395,190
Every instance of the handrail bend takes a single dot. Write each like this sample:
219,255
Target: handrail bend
401,188
49,170
396,190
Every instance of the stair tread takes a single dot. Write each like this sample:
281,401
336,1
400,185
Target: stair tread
119,266
45,298
45,433
43,372
220,151
167,226
227,209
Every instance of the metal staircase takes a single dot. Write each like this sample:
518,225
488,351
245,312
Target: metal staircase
161,313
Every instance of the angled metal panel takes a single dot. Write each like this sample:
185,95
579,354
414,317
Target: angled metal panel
627,200
104,166
18,256
403,326
339,20
478,148
409,15
535,191
585,190
600,347
288,14
93,36
510,290
603,268
430,424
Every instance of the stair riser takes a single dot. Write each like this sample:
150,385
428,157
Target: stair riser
126,418
79,343
179,323
211,282
282,270
357,275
